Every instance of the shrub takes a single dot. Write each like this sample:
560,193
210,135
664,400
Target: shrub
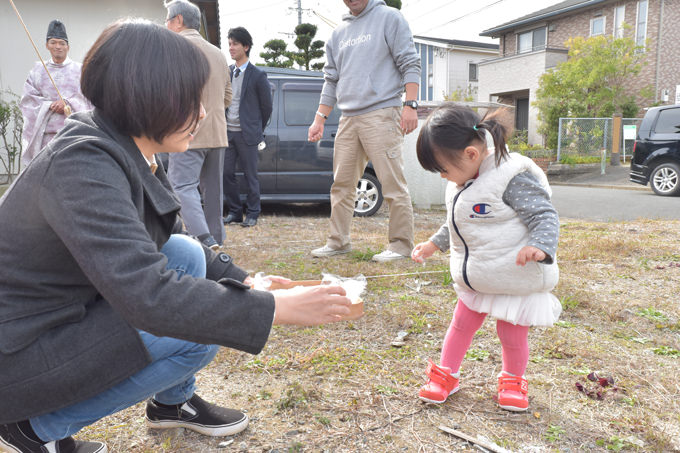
11,124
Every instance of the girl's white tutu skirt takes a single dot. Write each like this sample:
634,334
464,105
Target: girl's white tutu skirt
537,309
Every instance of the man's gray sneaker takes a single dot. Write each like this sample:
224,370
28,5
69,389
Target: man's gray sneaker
387,255
14,440
325,251
197,415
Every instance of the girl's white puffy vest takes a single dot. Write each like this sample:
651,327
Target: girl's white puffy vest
486,234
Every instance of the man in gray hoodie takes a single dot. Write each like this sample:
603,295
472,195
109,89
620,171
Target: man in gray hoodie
371,61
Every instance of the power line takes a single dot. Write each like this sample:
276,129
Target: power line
463,16
446,3
328,22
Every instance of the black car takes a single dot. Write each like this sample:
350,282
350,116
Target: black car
656,152
292,169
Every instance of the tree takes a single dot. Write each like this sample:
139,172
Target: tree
393,3
590,83
276,54
308,49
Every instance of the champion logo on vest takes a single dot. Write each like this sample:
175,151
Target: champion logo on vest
481,210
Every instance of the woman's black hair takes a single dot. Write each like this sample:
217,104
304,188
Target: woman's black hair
144,78
451,128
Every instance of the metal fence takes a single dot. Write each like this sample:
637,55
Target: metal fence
592,137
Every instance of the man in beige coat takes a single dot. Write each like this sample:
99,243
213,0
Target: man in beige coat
201,167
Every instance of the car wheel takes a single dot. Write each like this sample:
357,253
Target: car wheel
665,179
369,196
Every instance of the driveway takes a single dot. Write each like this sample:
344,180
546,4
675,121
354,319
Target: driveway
612,204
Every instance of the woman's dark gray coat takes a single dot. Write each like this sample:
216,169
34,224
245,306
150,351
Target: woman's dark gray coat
81,271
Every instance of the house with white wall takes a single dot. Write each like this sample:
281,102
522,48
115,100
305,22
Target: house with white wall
450,65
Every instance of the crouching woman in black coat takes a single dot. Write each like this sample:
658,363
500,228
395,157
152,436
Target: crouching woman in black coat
102,303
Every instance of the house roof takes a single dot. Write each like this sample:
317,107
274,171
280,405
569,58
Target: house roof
460,43
542,14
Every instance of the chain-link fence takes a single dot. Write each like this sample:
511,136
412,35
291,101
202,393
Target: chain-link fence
592,137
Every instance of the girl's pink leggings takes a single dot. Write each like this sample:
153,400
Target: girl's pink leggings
464,325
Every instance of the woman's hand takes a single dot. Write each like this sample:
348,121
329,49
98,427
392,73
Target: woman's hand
311,306
423,251
250,281
278,279
529,253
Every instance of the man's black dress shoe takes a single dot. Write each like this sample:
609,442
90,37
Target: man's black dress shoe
232,218
248,222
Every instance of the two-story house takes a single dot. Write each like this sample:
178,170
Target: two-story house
450,66
535,43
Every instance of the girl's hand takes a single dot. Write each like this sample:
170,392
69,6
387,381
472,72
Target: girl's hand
311,306
423,251
529,253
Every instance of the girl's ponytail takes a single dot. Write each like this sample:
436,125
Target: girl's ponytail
497,127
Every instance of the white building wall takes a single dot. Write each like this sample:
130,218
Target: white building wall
511,74
459,70
84,20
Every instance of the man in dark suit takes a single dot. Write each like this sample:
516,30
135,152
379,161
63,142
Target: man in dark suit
247,116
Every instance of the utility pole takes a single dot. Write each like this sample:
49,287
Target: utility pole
300,9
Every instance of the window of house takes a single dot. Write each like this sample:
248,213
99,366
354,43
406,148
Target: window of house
641,27
531,40
619,18
472,72
597,26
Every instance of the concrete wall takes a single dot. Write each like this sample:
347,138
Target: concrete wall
427,189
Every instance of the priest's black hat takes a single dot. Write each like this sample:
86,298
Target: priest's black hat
56,30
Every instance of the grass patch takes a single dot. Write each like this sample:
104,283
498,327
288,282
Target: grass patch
294,397
652,314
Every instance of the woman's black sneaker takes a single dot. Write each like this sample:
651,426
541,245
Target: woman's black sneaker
14,440
197,415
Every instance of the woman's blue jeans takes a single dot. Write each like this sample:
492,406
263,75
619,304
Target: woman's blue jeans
169,379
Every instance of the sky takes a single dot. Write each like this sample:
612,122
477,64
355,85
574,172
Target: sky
448,19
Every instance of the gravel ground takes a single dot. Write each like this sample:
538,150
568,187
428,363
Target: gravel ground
345,388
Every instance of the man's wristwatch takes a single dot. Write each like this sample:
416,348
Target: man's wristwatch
412,104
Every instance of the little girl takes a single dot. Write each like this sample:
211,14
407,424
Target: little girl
502,231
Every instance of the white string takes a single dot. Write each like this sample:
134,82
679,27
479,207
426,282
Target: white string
408,273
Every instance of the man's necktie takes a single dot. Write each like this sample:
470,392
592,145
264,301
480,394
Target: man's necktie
237,72
153,168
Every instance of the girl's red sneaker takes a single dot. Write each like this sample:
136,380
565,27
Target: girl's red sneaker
512,392
440,385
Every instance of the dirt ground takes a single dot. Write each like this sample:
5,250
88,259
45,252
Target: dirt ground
604,378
